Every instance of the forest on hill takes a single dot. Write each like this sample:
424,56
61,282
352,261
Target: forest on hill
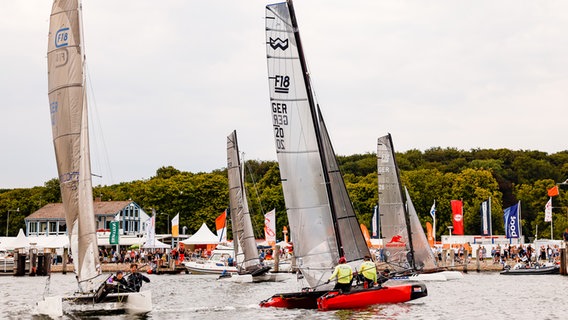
440,174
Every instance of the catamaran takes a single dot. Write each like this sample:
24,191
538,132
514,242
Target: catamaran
406,246
69,121
322,220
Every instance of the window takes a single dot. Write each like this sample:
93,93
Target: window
42,227
32,227
52,227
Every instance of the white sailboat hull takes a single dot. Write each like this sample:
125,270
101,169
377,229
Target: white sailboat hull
131,303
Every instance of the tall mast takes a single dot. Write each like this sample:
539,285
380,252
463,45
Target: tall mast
315,116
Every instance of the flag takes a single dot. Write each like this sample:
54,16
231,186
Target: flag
175,226
221,226
151,229
429,234
270,227
457,216
548,211
366,234
433,210
113,238
552,192
485,211
375,223
511,217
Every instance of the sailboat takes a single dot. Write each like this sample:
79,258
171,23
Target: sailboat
406,246
244,243
322,220
69,120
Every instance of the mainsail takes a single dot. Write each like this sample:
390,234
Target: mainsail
243,235
322,221
69,121
400,227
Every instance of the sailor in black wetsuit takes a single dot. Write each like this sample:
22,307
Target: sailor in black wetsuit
135,278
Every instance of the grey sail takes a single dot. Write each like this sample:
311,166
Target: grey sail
391,205
305,156
353,242
69,121
424,258
404,239
243,236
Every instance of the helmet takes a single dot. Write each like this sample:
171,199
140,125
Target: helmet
342,260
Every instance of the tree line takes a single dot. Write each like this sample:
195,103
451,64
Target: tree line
440,174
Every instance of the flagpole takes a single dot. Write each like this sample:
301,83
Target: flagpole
434,222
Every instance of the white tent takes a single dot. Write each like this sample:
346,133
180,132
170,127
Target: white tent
21,241
202,236
156,245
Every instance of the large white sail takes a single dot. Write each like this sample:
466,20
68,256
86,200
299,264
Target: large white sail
305,156
68,108
243,235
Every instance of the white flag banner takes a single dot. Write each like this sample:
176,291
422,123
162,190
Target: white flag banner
270,227
548,211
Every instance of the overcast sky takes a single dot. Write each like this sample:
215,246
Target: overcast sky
169,80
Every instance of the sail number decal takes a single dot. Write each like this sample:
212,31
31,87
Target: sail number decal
62,37
280,119
53,107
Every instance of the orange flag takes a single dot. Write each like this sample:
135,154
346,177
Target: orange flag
366,235
429,234
553,191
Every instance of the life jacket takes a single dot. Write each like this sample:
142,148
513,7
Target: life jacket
344,273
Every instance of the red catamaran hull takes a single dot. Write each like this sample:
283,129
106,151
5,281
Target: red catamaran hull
334,300
331,300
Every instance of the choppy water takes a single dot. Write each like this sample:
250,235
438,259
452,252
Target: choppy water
477,296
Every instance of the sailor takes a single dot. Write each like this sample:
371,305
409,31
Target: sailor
135,279
344,275
368,272
384,276
121,285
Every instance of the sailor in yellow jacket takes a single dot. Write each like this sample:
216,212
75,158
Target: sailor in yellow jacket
344,275
368,272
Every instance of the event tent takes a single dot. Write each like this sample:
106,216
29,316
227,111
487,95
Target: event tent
202,236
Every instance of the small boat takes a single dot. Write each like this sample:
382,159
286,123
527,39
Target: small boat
215,264
522,269
69,121
322,220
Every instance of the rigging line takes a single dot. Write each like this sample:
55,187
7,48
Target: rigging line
105,162
244,164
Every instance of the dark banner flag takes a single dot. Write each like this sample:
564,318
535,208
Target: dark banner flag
457,216
511,216
485,211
